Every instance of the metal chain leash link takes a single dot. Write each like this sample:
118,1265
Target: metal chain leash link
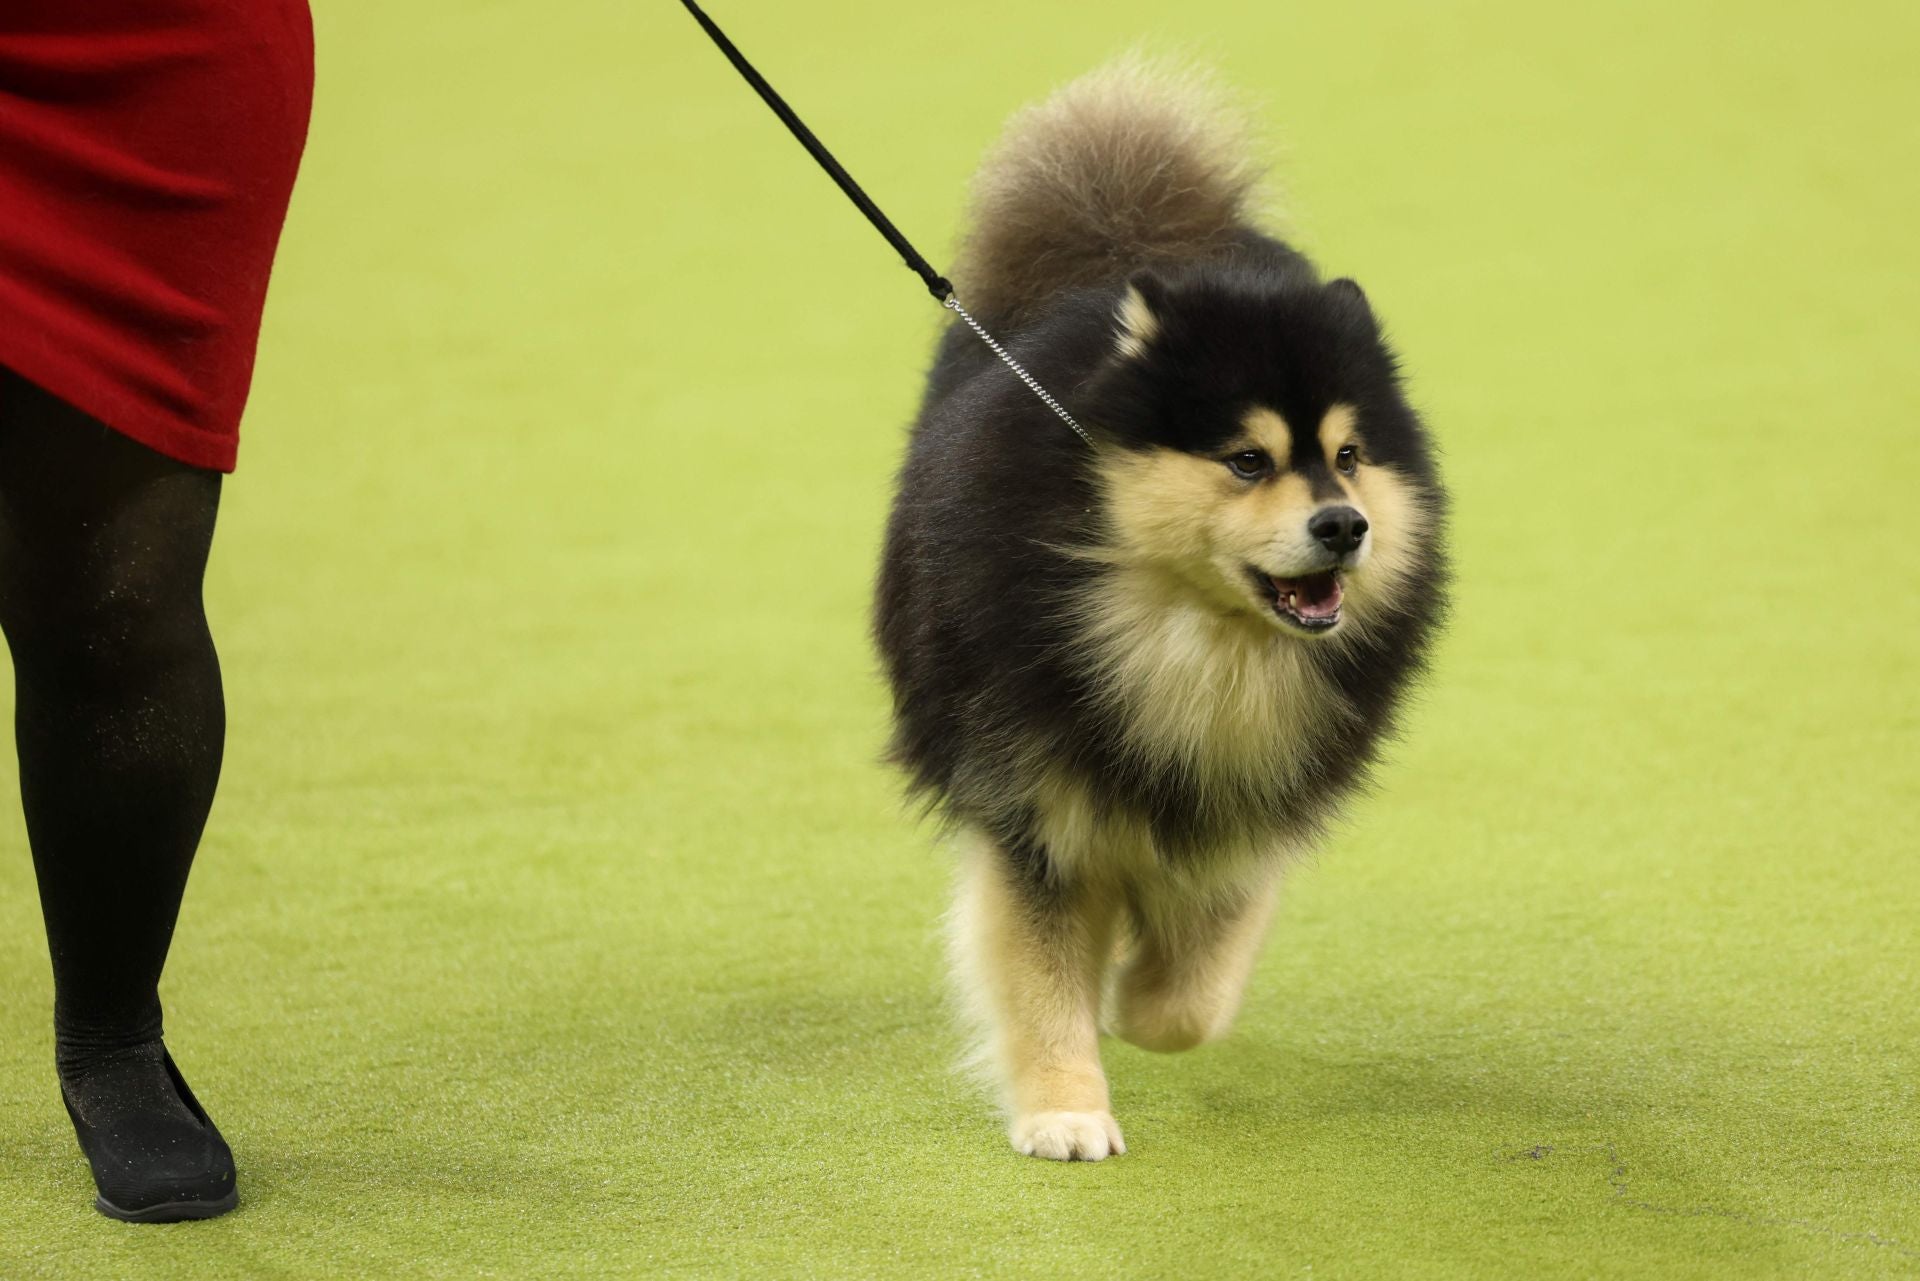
952,304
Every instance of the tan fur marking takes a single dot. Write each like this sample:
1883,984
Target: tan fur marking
1157,502
1216,694
1138,324
1336,430
1116,851
1267,430
1187,967
1282,504
1036,985
1400,527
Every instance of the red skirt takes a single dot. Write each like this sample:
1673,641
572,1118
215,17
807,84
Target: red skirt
147,151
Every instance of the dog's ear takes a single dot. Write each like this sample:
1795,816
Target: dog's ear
1352,300
1139,313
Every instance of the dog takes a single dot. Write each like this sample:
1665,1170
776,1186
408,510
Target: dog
1134,677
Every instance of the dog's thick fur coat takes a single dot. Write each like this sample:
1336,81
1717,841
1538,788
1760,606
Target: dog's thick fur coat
1135,677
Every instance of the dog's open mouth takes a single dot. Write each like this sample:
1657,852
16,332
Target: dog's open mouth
1310,602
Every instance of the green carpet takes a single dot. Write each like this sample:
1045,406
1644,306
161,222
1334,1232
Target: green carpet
556,918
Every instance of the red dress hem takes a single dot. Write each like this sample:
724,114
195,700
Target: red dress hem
60,368
148,149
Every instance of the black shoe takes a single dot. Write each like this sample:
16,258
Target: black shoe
156,1155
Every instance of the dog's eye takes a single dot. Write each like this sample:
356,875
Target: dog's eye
1250,464
1347,460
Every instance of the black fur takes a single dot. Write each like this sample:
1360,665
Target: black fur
975,594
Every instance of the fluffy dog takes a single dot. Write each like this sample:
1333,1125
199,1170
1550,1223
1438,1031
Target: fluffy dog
1136,677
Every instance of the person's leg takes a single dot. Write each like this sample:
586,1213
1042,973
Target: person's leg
120,722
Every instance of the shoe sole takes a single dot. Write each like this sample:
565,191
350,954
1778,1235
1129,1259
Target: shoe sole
170,1211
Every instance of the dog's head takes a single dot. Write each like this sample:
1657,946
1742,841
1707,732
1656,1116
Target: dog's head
1267,463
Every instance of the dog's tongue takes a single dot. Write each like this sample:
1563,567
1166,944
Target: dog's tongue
1315,596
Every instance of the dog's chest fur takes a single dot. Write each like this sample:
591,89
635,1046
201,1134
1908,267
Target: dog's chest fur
1212,695
1220,726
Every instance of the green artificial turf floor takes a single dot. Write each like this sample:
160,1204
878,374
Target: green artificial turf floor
556,918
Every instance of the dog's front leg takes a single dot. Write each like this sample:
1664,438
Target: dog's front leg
1033,951
1182,981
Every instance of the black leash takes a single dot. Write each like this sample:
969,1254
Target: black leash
937,285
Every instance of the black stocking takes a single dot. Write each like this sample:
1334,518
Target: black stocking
119,722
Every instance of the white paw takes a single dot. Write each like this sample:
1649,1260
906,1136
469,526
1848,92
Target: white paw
1067,1136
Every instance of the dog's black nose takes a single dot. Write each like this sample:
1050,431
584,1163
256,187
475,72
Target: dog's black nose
1339,529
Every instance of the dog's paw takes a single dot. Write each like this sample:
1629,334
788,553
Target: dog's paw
1067,1136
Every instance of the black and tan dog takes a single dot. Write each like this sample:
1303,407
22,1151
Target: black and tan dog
1137,676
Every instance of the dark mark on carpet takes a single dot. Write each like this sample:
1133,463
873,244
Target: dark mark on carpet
1617,1179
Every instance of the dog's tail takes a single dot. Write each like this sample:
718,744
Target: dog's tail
1141,161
